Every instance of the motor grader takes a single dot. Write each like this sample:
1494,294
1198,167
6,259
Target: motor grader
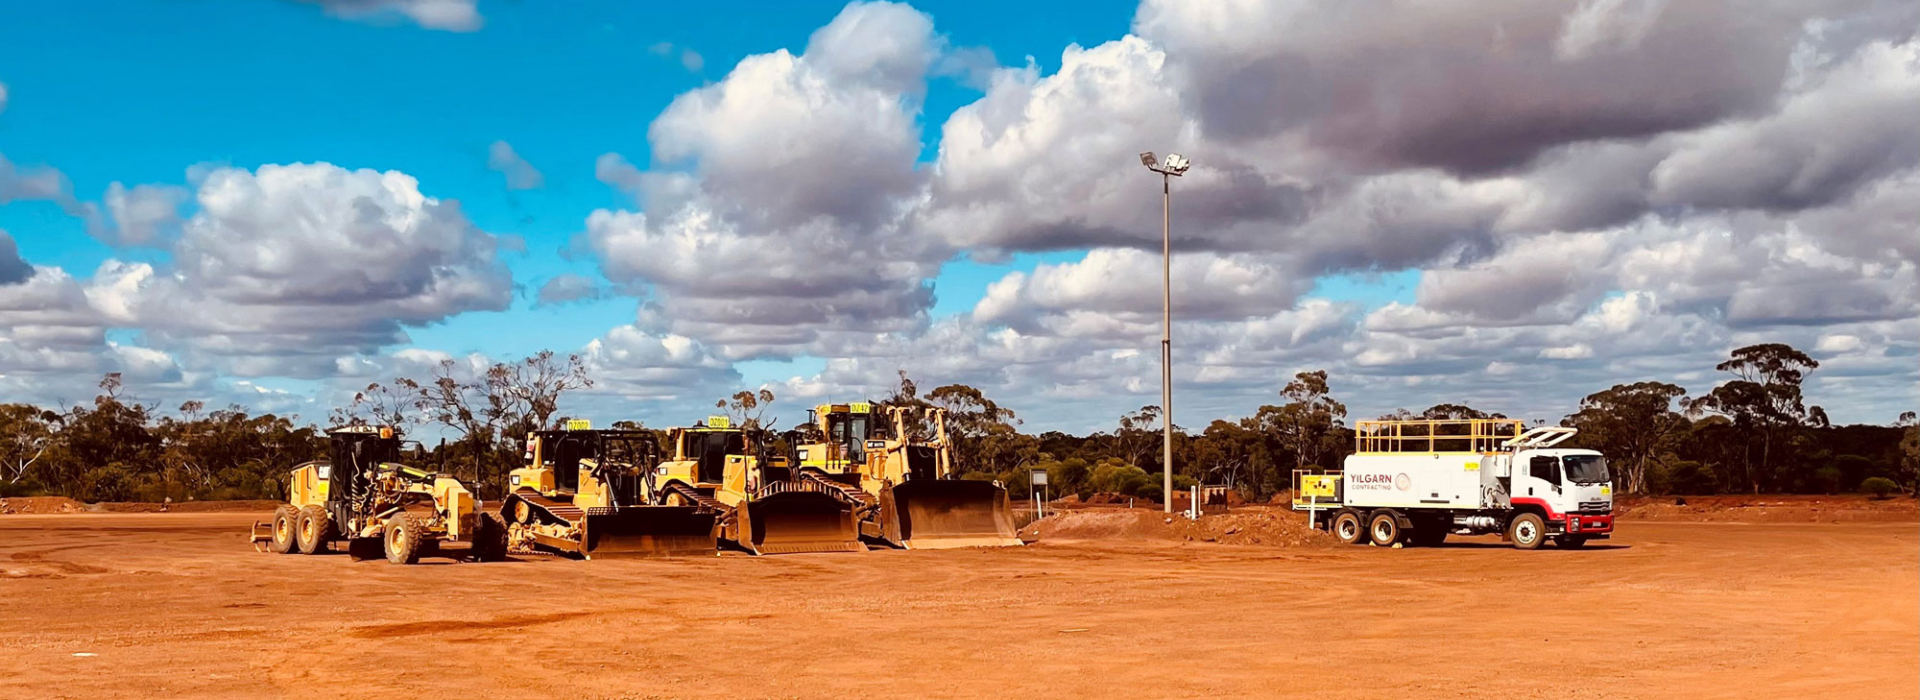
583,492
729,471
365,496
907,490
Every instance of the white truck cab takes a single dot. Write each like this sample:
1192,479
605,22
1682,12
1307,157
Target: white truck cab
1415,482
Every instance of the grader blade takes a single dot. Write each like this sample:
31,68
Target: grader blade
948,514
647,531
798,521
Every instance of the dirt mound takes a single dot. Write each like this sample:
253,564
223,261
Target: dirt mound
1270,527
1768,509
42,505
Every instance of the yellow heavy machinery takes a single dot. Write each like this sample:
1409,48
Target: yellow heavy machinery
584,493
363,495
727,470
904,489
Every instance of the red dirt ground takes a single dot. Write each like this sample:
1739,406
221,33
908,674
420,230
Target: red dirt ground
104,606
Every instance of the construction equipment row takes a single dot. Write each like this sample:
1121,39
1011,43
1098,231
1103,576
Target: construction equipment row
850,482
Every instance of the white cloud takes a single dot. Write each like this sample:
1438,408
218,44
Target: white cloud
448,15
520,174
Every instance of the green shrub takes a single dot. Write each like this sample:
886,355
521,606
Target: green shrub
1827,479
1149,492
1114,476
1880,486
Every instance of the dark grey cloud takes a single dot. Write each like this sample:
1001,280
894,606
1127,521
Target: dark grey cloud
13,268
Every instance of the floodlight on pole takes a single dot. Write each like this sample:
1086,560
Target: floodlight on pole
1175,166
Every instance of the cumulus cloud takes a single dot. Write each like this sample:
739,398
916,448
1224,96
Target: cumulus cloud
142,214
520,174
287,266
448,15
778,213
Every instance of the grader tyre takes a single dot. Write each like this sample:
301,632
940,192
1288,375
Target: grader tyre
286,526
1347,527
1384,530
315,528
490,544
403,538
1527,531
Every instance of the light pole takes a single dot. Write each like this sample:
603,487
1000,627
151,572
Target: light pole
1175,166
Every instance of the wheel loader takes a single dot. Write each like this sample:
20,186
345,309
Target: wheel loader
912,498
365,496
584,493
761,508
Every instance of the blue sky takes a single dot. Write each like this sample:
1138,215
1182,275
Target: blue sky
1321,228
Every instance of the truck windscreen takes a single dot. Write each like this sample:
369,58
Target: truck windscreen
1586,469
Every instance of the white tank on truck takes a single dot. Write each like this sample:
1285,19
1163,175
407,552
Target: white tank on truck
1417,481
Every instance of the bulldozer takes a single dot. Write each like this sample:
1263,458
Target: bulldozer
730,472
908,494
365,496
583,493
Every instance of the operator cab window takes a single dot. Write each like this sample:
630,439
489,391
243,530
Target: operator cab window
1545,468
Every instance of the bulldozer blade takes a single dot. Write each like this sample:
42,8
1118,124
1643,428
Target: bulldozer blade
947,514
648,531
798,521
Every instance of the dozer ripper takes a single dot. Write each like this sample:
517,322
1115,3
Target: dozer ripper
761,509
584,493
906,489
363,495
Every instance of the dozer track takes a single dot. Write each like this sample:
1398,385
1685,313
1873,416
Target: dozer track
556,524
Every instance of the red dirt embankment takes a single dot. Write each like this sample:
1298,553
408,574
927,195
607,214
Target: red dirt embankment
42,505
1253,526
1278,526
1769,509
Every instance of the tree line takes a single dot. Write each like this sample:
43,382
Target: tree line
1753,433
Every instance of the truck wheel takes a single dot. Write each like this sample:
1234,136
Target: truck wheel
1527,531
316,527
286,523
1384,530
1572,541
1347,527
490,544
402,539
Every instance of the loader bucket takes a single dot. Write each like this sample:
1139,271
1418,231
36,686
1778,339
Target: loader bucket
798,521
948,513
648,531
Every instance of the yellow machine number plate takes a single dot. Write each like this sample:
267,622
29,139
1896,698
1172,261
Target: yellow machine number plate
1317,485
579,424
719,422
861,407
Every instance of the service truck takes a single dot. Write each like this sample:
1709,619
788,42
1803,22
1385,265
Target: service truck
1417,481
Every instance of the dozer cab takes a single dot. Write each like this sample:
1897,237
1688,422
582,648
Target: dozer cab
761,509
365,496
913,499
584,492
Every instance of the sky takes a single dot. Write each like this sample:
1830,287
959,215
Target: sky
1507,204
